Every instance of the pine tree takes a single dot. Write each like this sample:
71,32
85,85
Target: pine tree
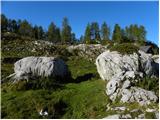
66,31
57,35
35,32
142,32
51,34
105,32
40,32
117,36
135,33
73,38
87,36
95,32
4,23
81,39
25,29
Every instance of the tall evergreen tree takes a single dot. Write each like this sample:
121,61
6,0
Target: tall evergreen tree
142,32
73,38
87,36
51,34
95,32
57,35
66,31
35,32
40,32
25,29
81,39
136,33
117,36
4,23
105,32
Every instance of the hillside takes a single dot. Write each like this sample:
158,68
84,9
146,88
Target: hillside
81,96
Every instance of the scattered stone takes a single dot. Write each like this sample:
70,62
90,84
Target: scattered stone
87,51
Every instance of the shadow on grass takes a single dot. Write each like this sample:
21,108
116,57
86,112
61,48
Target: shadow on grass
84,77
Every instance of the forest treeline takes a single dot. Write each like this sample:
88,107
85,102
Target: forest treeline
94,33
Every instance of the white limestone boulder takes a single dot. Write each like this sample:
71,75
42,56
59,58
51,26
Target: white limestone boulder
39,67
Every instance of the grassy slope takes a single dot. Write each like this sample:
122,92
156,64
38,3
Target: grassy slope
83,98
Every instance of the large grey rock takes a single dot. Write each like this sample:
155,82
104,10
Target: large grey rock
39,66
111,63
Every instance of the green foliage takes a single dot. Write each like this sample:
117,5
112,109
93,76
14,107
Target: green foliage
4,23
95,32
136,33
150,115
150,84
87,36
117,36
66,31
125,48
38,32
51,32
25,29
105,32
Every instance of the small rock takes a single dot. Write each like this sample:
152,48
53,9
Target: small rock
134,110
116,116
127,116
126,84
120,108
150,110
157,115
43,113
141,116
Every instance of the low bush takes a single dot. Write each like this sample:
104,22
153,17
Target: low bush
149,84
125,48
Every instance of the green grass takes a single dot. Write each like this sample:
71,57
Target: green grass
83,98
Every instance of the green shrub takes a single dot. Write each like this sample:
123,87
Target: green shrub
150,115
148,83
125,48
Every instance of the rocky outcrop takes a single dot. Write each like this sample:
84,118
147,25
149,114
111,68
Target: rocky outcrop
121,86
123,71
30,67
111,63
90,51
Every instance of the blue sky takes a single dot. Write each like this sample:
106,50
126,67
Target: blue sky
80,13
